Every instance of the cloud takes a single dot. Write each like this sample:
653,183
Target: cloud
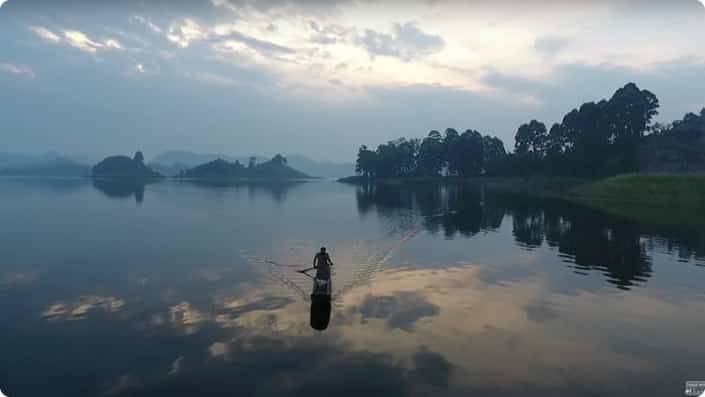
255,43
329,34
81,41
492,65
406,42
112,43
402,310
17,70
77,39
147,22
186,31
79,309
45,34
214,79
225,38
550,46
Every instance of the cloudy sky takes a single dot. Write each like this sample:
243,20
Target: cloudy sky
316,77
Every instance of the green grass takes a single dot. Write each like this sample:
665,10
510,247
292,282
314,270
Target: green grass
650,189
645,189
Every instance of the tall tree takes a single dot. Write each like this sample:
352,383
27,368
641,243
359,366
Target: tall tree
630,111
431,158
451,150
531,140
493,155
470,151
408,151
557,142
366,162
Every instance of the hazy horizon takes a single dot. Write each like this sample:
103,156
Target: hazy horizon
92,78
92,158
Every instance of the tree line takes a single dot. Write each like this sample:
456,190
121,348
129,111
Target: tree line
596,139
450,153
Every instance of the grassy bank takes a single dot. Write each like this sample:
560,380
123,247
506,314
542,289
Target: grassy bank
658,199
650,189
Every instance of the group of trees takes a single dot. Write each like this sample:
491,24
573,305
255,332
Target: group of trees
124,167
595,139
276,168
451,153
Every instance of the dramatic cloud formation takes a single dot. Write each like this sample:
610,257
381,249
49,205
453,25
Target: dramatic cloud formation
321,78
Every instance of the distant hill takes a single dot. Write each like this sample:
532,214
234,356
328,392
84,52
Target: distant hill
323,169
275,169
170,170
173,162
124,167
14,160
188,158
59,167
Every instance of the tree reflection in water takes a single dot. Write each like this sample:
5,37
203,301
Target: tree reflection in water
588,239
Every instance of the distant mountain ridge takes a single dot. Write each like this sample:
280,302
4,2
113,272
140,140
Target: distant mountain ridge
323,169
60,167
49,164
171,163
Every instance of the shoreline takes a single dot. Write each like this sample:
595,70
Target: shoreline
653,190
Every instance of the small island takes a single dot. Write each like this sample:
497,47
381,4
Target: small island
274,169
124,167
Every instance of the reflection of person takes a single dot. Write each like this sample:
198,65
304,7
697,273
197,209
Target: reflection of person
322,264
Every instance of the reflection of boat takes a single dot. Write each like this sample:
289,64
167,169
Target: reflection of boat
320,302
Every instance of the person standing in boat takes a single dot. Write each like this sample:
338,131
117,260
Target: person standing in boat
322,264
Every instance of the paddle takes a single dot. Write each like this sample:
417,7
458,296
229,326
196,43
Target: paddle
279,264
305,270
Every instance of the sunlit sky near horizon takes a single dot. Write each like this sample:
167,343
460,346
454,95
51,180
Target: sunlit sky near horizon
90,78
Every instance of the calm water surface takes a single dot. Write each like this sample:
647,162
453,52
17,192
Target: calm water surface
182,289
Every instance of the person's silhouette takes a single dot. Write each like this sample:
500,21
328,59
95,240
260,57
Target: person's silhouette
322,264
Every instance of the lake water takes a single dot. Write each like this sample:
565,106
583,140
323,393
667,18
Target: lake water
182,289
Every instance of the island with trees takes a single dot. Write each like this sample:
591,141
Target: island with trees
274,169
593,142
124,167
